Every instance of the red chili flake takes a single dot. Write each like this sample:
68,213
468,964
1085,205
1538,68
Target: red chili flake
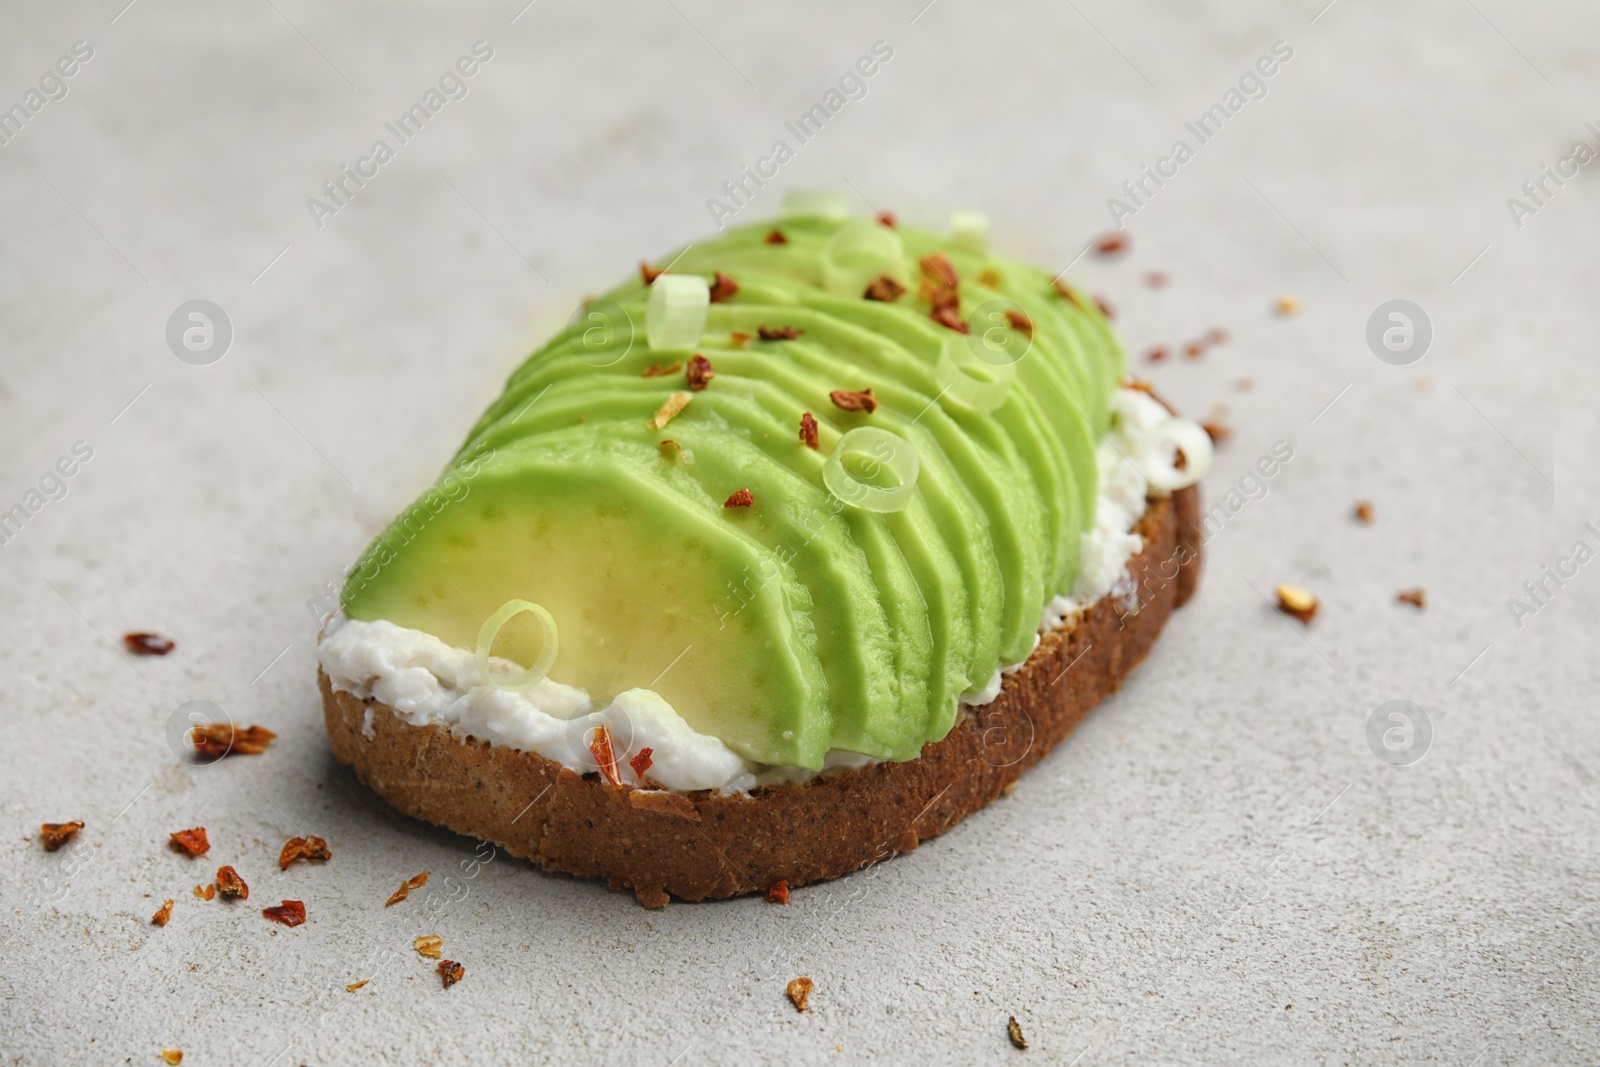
699,373
776,237
1417,597
1105,308
206,892
950,318
1364,512
889,219
1156,354
56,834
660,370
740,499
1130,382
605,755
854,400
416,881
778,333
190,842
303,848
649,273
148,644
1217,336
799,990
229,884
885,289
451,971
939,268
289,913
1216,431
641,762
173,1056
1154,279
1111,244
778,892
160,918
220,739
1019,320
740,340
808,430
353,986
723,287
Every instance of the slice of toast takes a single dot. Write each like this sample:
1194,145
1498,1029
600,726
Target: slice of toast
706,845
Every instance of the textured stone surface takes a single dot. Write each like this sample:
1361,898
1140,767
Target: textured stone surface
1215,868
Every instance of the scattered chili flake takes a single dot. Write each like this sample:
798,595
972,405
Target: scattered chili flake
451,971
1110,244
723,287
229,884
148,644
1105,308
776,237
1156,354
1130,382
1154,279
218,739
778,892
1217,336
172,1056
191,842
1014,1032
307,848
854,400
1364,511
778,333
1019,320
1244,385
649,273
641,762
1417,597
206,892
939,267
1194,349
885,289
991,278
740,340
416,881
889,219
669,410
160,918
56,834
660,370
1288,304
669,448
949,317
740,499
1216,431
808,430
429,945
699,374
1292,600
289,913
605,755
353,986
799,990
1067,291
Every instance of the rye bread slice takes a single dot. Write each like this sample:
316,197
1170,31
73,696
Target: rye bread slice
703,845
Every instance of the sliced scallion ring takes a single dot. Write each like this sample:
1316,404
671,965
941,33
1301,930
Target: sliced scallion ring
876,452
1186,438
675,317
858,254
969,231
812,204
548,645
971,382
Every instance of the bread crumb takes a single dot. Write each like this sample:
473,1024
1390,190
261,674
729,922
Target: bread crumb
1014,1032
353,986
172,1055
1288,305
1417,597
1292,600
799,990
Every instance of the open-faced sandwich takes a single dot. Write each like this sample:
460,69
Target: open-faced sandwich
778,560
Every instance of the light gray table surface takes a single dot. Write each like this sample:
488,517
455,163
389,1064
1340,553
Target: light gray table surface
1216,868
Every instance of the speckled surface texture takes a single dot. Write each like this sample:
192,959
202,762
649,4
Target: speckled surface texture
1216,868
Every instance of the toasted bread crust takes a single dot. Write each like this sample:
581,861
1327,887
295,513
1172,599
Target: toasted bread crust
704,845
